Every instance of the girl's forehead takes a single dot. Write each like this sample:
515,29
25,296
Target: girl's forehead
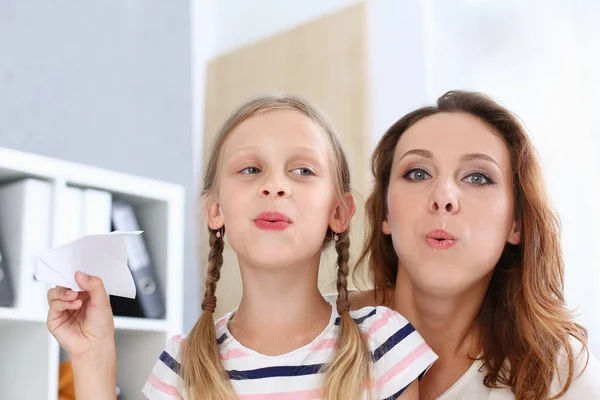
279,130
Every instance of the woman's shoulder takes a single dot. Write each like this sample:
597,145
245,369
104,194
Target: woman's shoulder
585,382
365,298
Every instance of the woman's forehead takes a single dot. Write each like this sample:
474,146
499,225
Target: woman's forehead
453,135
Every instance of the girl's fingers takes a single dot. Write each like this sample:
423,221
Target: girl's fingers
58,306
55,293
62,293
95,289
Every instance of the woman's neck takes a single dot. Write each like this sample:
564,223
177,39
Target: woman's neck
281,308
449,324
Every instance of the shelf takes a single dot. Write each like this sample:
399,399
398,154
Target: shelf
41,205
9,315
27,346
141,324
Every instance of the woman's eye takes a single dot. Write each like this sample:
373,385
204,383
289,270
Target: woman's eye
250,171
478,178
302,171
417,174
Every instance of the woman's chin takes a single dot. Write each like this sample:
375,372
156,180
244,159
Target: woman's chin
443,281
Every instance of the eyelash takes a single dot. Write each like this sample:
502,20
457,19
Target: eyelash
247,168
310,172
486,176
414,169
488,179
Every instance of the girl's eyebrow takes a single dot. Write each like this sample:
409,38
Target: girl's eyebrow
301,151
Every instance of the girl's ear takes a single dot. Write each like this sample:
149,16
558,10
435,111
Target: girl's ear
214,214
342,214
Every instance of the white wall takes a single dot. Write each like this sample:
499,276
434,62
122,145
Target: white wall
397,76
239,22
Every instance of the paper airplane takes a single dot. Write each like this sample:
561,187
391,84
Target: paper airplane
102,255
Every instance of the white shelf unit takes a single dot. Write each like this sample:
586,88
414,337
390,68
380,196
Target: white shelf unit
31,355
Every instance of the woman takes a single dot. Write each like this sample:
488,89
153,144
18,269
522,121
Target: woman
463,242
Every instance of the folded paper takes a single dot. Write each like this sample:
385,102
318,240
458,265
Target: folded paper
101,255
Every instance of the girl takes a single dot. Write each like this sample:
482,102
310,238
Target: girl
464,243
278,184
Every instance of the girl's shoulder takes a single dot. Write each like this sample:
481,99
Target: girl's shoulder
165,382
380,323
174,345
399,353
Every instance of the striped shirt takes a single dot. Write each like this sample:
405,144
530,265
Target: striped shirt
399,353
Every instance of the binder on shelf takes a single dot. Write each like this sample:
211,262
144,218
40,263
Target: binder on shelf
96,211
148,302
25,215
7,296
82,212
69,216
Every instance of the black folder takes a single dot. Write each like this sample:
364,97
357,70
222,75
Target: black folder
148,302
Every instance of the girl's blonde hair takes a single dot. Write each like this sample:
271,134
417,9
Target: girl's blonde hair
524,318
349,371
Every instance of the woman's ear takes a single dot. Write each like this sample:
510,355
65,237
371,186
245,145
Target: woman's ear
342,214
385,227
514,237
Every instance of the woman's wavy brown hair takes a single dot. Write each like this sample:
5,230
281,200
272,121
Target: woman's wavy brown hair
524,319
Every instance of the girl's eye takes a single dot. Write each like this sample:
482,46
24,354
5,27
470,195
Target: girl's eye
478,178
302,171
417,174
250,171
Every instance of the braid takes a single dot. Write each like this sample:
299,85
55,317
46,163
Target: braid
203,372
213,274
348,374
342,247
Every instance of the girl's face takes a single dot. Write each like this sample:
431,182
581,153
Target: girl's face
275,193
450,202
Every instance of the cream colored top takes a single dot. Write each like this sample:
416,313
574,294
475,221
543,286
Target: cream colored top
586,386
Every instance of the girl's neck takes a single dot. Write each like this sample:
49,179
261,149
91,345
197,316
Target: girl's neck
281,309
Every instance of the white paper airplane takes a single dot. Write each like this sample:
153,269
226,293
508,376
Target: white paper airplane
102,255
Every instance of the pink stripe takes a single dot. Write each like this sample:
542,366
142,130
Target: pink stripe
381,322
403,364
178,339
325,344
298,395
221,322
235,353
161,386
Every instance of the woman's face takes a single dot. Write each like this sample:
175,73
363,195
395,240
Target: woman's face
450,202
